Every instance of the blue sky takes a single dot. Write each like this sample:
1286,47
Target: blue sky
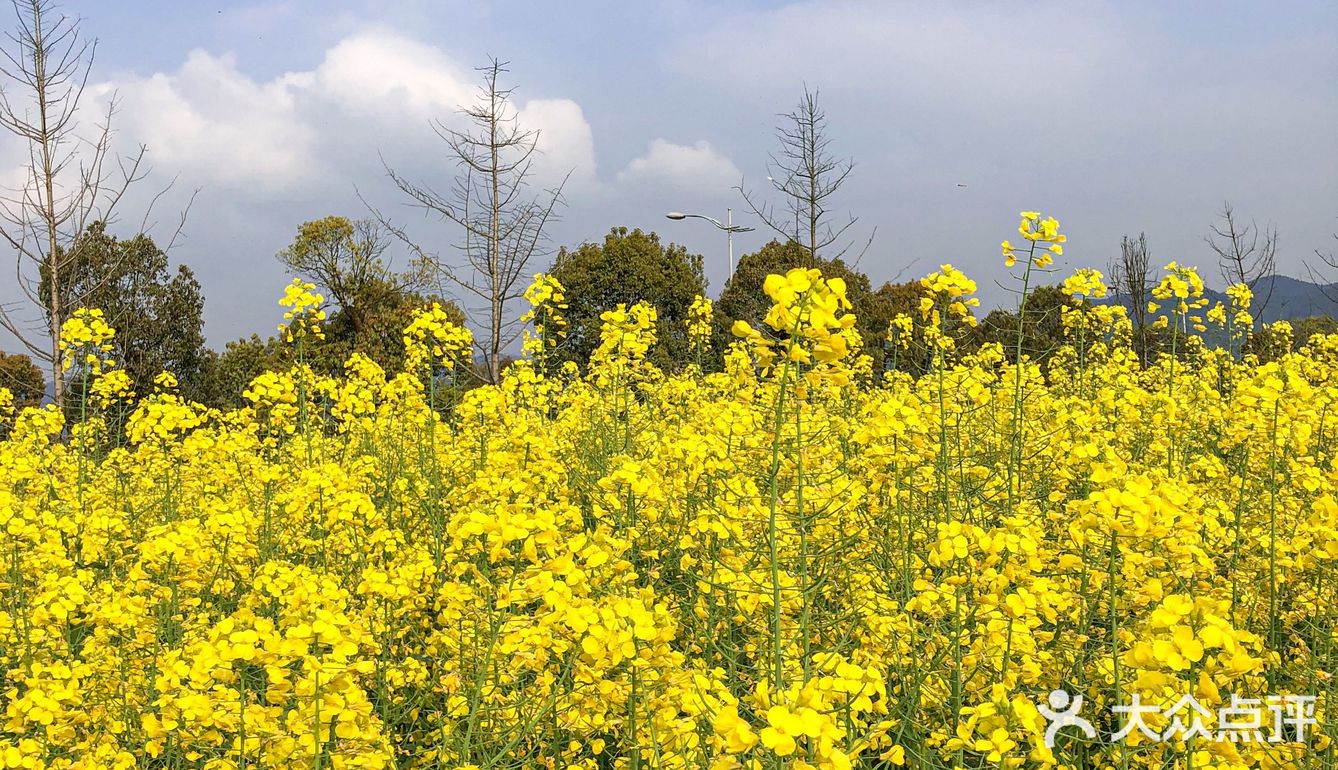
1114,117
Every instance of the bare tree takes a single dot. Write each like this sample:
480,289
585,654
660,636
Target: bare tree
71,180
1132,280
807,175
1330,261
502,223
1246,253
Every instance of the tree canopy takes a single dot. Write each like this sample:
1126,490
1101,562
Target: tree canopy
743,298
343,258
629,266
22,378
372,302
157,312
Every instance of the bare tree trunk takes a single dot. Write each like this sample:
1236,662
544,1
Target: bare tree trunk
1132,278
806,176
54,309
494,240
1241,256
68,184
500,242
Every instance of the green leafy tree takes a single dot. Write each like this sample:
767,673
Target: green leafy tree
158,312
628,267
1042,329
227,373
344,259
377,328
372,303
389,310
22,378
744,299
912,355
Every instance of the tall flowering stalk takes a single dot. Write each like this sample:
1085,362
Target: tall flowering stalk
945,306
433,343
900,334
1085,319
547,316
1044,243
620,363
85,342
811,332
302,321
1182,289
700,315
1235,317
7,410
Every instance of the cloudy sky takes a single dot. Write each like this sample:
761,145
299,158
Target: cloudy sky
1115,117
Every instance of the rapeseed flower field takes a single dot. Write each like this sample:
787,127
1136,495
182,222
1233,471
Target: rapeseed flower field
780,564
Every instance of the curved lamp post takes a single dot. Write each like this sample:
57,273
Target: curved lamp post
728,226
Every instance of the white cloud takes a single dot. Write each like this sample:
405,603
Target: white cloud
374,91
375,71
686,167
566,143
213,123
270,152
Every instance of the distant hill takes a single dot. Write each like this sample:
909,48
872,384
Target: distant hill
1291,298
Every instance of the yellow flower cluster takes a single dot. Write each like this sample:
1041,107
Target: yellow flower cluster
1241,296
1182,288
1237,316
951,285
900,330
646,569
626,336
947,302
547,301
432,339
162,417
1037,231
304,314
85,339
1085,283
1086,318
700,314
807,312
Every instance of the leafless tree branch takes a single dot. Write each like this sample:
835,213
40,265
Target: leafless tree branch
806,176
72,180
1246,253
502,224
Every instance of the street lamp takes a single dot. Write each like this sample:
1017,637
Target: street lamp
728,226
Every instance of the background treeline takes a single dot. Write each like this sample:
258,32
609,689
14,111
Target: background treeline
66,257
158,311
